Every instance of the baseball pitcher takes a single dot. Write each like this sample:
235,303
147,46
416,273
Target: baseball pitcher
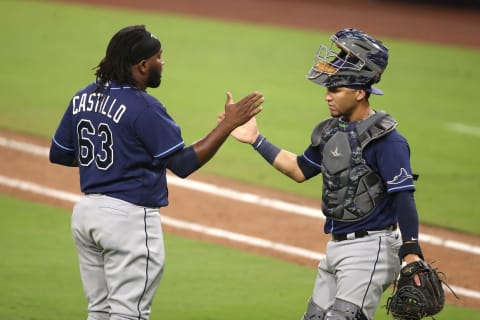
123,140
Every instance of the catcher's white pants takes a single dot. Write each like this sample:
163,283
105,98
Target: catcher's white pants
358,271
121,254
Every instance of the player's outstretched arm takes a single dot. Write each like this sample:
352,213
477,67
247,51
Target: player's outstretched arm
188,160
281,159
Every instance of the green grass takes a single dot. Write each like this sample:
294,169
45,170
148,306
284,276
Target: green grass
53,48
40,279
39,275
51,51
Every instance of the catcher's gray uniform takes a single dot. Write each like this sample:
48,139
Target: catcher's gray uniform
350,273
367,181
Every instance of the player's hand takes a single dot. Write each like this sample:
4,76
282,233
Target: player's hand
236,114
409,258
246,133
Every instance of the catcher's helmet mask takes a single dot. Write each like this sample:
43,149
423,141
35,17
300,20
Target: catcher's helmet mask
354,59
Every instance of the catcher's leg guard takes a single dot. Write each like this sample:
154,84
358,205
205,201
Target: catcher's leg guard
314,312
344,310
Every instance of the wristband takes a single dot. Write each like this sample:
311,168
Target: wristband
267,150
258,142
410,248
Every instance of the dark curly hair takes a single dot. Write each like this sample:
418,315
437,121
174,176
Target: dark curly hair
126,48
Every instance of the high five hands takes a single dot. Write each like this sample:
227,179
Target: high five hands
247,131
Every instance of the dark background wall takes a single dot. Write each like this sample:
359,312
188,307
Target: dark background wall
445,3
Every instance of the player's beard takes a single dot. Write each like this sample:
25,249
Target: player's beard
154,78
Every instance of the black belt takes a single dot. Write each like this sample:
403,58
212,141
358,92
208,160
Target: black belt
360,234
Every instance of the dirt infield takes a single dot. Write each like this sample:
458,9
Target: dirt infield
385,19
434,24
235,216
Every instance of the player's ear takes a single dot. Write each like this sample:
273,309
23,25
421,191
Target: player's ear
360,94
143,66
139,72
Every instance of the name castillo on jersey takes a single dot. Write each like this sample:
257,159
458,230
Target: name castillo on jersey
99,103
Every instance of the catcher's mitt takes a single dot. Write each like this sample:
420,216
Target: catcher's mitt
410,301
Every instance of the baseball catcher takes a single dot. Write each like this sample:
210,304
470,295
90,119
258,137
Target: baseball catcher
418,292
367,194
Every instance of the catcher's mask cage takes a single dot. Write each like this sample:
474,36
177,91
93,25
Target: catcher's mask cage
353,59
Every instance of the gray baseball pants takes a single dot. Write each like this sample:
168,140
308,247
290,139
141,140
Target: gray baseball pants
358,271
121,255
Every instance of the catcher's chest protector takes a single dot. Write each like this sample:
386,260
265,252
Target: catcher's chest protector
351,190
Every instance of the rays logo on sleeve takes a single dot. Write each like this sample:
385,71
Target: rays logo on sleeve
401,177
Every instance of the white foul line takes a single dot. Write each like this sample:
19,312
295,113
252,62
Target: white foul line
179,224
184,225
23,147
241,238
249,198
465,129
245,197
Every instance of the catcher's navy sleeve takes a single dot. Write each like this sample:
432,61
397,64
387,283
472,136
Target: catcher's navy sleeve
392,161
391,158
310,162
405,209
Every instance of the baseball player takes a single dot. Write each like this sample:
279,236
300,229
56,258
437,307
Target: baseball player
123,140
367,181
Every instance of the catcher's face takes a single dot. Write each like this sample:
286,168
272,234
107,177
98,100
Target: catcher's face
344,102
